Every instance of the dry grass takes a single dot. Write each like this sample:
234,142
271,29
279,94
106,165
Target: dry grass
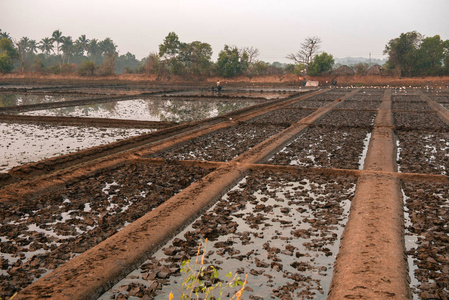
290,79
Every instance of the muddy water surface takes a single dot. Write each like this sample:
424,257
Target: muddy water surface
27,143
176,110
280,230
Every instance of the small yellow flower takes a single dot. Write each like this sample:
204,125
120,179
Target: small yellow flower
170,297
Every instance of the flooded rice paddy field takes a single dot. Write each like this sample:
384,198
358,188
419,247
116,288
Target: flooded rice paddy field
265,93
38,235
327,148
424,152
427,205
27,143
338,140
355,119
281,117
13,99
423,142
419,121
154,109
282,230
223,145
409,103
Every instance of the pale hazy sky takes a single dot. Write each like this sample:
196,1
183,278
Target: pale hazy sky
346,27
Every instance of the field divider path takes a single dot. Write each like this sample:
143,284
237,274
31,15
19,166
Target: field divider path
79,121
437,107
93,272
371,263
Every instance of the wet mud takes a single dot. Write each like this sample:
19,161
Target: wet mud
280,229
38,235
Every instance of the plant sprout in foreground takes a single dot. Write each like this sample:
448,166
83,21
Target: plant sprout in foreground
201,280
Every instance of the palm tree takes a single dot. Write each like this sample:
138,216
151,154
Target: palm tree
46,45
82,42
67,47
93,50
57,37
23,46
32,46
108,47
4,35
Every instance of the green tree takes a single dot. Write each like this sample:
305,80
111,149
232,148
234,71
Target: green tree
23,47
126,63
4,35
57,38
430,56
67,48
402,52
170,48
108,48
153,64
8,54
82,43
361,68
87,68
231,63
46,45
446,57
320,64
32,46
195,57
94,51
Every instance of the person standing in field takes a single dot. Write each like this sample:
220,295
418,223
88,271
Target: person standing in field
219,86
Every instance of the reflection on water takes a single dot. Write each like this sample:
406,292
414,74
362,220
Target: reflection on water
150,109
26,143
9,99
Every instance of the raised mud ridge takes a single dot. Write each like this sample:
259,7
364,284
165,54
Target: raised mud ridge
372,261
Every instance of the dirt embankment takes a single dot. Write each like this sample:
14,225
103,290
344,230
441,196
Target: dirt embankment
273,80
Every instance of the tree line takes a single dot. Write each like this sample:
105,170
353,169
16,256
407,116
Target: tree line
60,54
411,54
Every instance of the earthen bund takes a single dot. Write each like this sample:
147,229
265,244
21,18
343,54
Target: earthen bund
371,263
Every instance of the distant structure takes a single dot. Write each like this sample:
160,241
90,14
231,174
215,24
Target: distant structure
312,83
343,71
375,70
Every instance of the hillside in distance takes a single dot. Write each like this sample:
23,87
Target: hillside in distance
350,61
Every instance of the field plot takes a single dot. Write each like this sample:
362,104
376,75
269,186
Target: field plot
423,140
325,147
368,99
428,209
409,103
38,235
282,117
264,93
175,110
27,143
339,140
424,152
13,99
223,145
282,230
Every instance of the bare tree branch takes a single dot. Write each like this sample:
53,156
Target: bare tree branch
309,48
